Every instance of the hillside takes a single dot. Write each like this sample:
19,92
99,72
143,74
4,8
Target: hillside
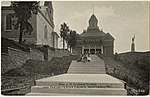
131,68
25,75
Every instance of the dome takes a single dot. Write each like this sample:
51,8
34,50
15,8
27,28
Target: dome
93,18
93,21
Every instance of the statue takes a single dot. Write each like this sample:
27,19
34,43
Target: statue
133,45
133,39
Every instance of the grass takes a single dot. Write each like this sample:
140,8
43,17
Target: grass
136,76
33,70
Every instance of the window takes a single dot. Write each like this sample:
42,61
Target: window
45,32
9,22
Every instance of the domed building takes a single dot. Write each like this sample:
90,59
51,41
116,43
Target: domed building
93,40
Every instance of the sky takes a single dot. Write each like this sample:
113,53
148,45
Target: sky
121,19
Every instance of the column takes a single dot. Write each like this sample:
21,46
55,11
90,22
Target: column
95,49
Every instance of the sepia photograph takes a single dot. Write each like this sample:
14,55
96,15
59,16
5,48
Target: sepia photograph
75,48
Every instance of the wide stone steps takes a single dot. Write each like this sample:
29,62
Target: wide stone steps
95,66
79,85
82,68
82,79
52,94
86,72
83,91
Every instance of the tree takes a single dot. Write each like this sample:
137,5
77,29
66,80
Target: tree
72,40
63,33
23,12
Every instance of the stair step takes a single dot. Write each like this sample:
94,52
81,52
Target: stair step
51,94
87,69
87,72
86,91
76,84
88,66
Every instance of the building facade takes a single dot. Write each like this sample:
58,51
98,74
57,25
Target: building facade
93,40
42,23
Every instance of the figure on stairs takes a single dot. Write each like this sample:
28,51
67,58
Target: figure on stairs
88,58
84,58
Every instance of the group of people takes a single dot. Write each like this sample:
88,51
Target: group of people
84,58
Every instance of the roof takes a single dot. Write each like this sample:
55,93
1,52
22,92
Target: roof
108,37
92,33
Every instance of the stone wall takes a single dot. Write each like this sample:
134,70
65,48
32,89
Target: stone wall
57,53
23,56
15,58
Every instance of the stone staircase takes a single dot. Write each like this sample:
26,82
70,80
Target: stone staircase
95,66
81,79
78,84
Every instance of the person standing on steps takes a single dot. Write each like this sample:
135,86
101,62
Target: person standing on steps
88,58
84,58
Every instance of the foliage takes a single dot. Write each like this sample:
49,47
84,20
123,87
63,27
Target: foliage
72,41
63,33
132,68
23,12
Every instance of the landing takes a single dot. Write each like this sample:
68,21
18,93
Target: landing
85,78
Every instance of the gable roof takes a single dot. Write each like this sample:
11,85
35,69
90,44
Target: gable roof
108,37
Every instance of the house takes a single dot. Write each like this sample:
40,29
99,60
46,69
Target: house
42,23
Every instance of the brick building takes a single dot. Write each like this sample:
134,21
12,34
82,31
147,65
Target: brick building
93,40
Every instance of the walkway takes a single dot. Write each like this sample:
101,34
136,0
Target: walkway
96,66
